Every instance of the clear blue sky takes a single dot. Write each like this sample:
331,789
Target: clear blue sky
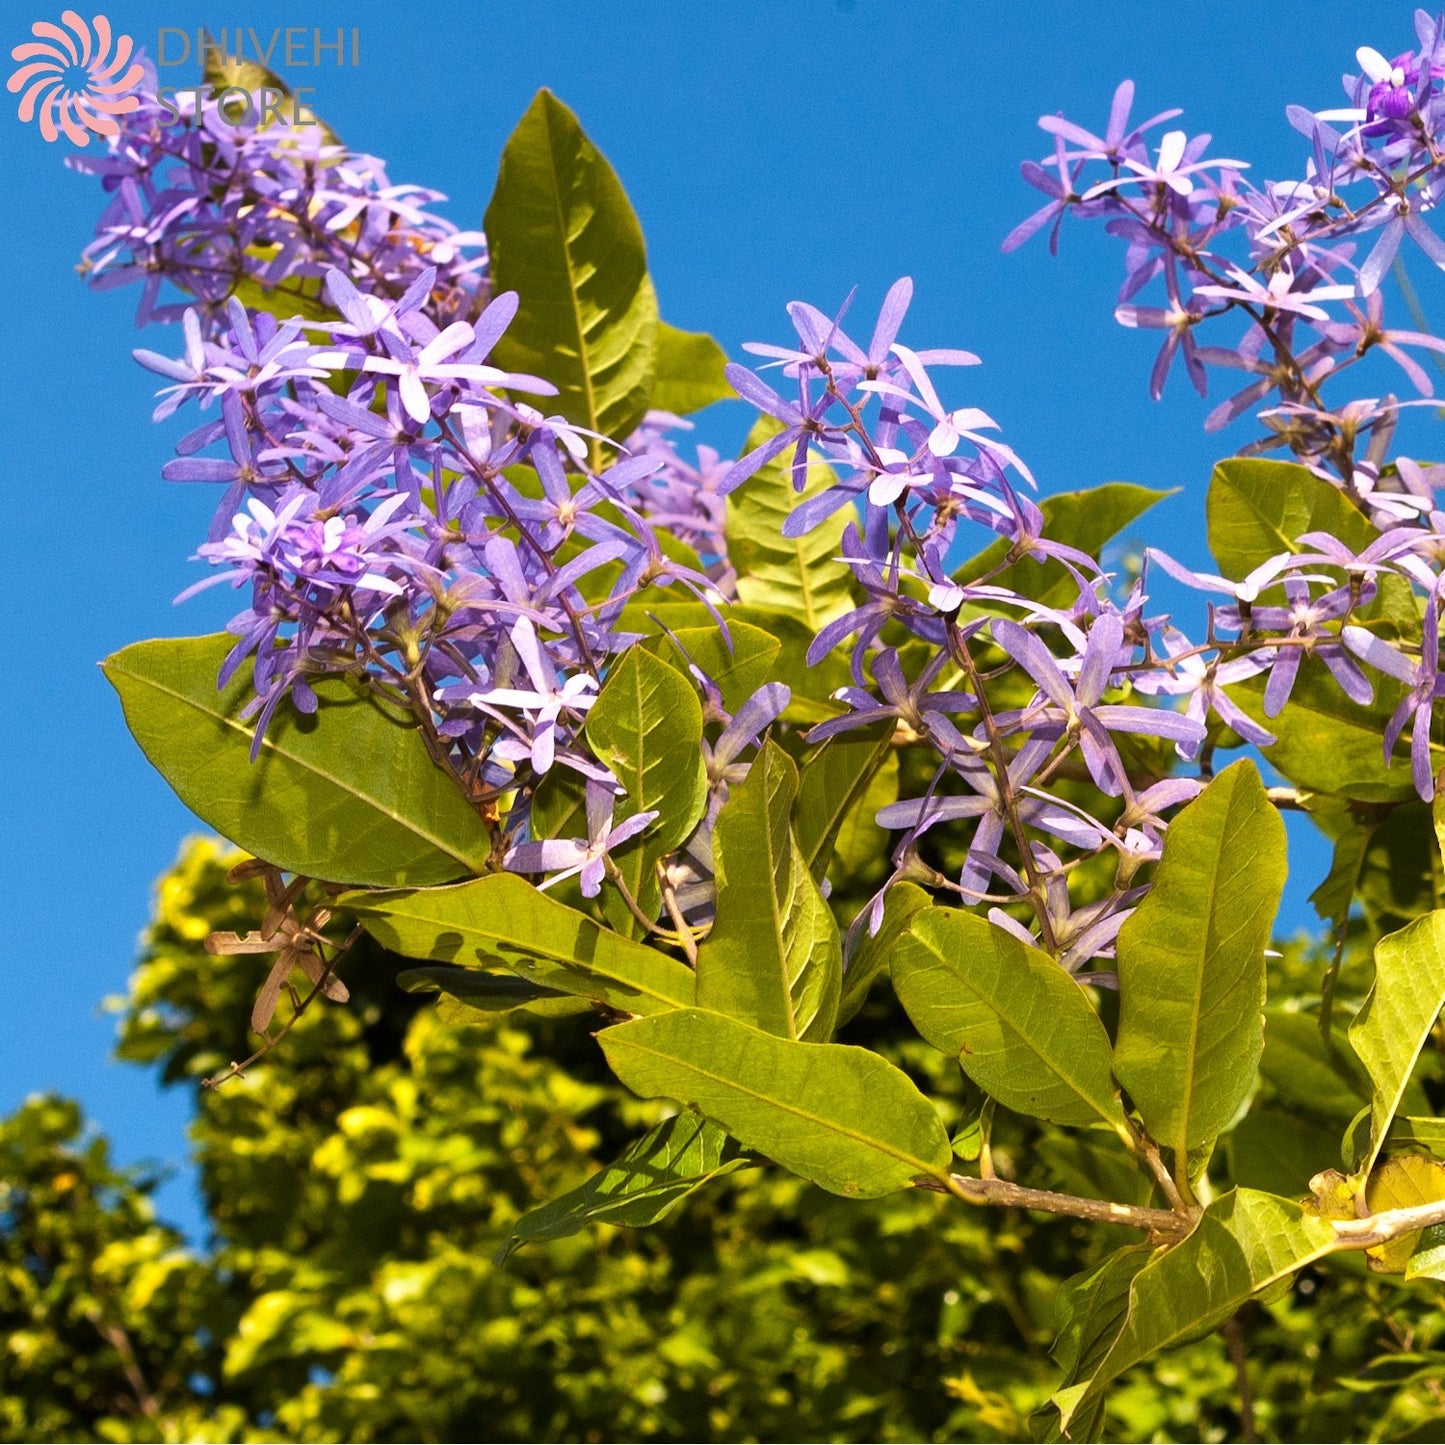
774,151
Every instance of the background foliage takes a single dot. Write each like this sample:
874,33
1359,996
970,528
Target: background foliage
360,1181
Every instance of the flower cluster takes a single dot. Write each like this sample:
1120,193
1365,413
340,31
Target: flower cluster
395,507
401,509
1284,258
209,209
1034,704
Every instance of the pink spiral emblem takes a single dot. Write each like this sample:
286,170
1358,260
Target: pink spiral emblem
72,81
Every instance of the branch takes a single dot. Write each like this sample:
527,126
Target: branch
1016,1196
1389,1224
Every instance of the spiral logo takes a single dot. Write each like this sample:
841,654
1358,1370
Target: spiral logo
72,81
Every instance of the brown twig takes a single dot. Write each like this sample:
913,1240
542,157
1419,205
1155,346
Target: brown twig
1159,1223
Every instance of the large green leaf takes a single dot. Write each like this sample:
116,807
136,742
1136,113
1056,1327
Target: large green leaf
349,795
645,1184
799,575
646,725
873,952
1084,519
1391,1028
689,369
501,921
773,958
562,234
1021,1028
1243,1243
739,661
842,1117
835,776
1258,509
1191,964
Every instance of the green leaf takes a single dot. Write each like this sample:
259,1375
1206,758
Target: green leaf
1243,1243
1085,519
812,687
1391,1028
738,670
1335,895
860,850
1428,1133
559,806
646,725
1427,1254
773,958
1399,876
646,1183
1191,964
873,951
1279,1151
798,575
488,992
840,1116
1092,1308
689,369
348,795
1304,1074
562,234
1020,1026
834,777
1258,509
501,921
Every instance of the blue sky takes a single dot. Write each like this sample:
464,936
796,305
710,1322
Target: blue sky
773,151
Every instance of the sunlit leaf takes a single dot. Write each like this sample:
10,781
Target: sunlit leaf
839,1116
501,921
348,795
1191,964
773,958
1022,1029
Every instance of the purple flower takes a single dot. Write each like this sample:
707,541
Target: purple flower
1422,675
988,804
1203,683
586,858
545,703
414,369
1061,710
801,423
1177,162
